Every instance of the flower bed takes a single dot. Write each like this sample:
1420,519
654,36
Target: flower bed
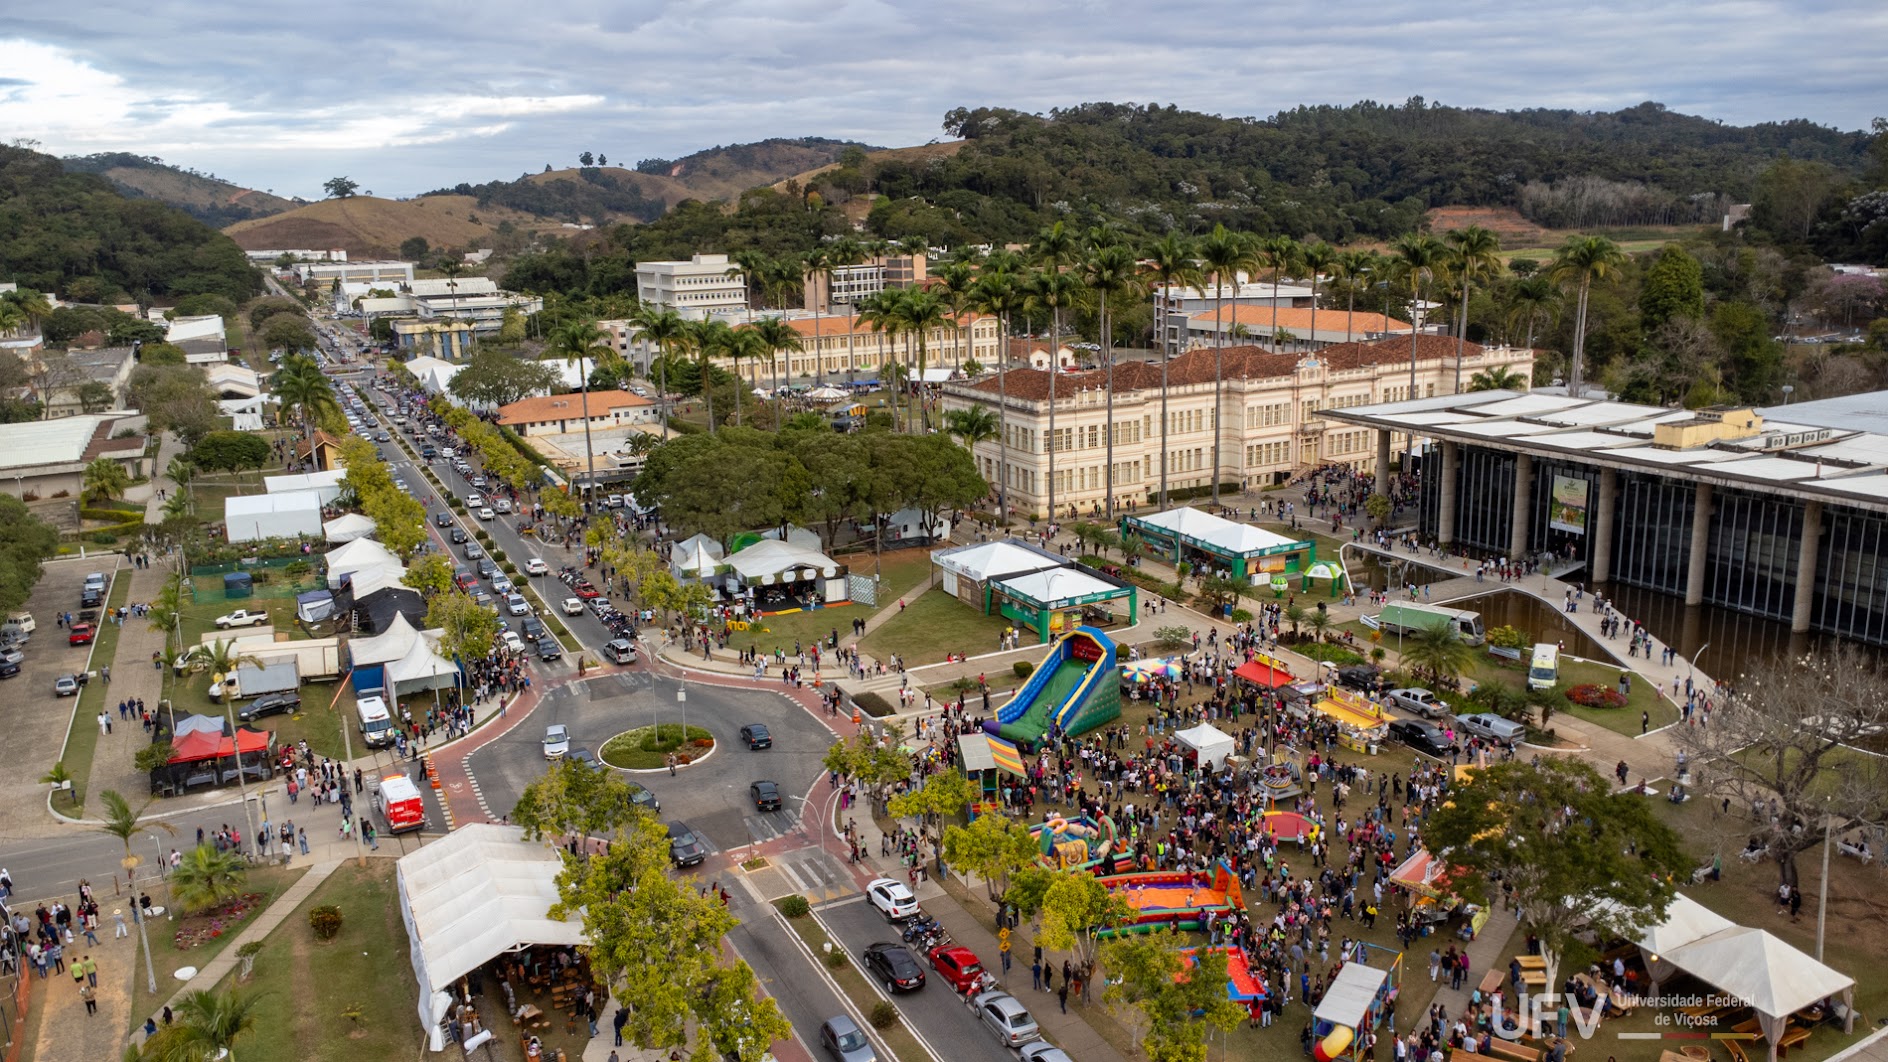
199,929
1591,695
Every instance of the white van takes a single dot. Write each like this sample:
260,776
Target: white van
1543,671
376,725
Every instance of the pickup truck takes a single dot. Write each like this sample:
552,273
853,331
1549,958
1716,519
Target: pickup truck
242,617
1492,727
1420,701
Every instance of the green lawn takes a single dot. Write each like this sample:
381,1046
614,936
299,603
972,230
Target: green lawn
930,627
315,722
82,737
306,987
167,957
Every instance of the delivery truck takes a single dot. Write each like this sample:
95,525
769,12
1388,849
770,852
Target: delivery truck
316,659
1409,618
398,801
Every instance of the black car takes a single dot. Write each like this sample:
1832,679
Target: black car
487,567
457,535
685,848
643,798
766,795
91,598
273,704
548,649
756,736
9,668
533,629
1359,677
893,965
442,519
584,758
1421,735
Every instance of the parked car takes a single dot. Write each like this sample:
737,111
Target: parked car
640,797
842,1041
1420,701
516,604
1043,1051
511,641
620,651
1421,735
556,741
65,686
242,617
894,967
474,551
442,519
957,965
81,634
501,584
756,736
891,898
573,606
1359,677
1492,727
273,704
9,668
1006,1016
457,535
584,758
766,795
685,848
487,567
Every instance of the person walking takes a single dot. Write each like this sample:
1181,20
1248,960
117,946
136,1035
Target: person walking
1035,975
91,970
90,996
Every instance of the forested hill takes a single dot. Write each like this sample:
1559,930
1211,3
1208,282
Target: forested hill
203,196
77,235
1364,171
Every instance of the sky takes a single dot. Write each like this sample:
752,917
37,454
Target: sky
404,98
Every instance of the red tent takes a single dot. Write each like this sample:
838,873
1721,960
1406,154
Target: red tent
251,741
208,745
1263,674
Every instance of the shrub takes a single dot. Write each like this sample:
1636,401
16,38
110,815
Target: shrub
884,1015
873,705
1590,695
104,538
836,958
795,906
1509,638
1331,654
1173,637
1023,668
325,921
1240,615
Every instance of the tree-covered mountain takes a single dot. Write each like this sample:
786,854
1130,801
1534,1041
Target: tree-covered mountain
204,196
76,234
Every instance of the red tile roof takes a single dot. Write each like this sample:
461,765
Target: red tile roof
546,408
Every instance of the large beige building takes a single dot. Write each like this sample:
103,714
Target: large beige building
838,345
1266,420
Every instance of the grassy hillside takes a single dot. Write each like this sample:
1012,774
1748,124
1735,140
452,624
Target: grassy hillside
366,226
207,198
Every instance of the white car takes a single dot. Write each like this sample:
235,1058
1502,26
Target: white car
556,741
474,501
892,899
512,641
486,513
536,566
503,505
501,584
516,604
573,606
242,618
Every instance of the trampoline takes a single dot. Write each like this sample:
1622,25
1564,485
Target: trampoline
1242,985
1288,825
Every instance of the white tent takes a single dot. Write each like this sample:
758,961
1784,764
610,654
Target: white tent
1228,535
420,669
1686,921
770,557
245,414
825,394
907,524
695,558
356,555
470,896
375,578
387,646
348,528
795,536
1351,995
1208,742
326,484
256,516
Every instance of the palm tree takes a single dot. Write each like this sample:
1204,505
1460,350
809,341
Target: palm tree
1474,254
1223,254
779,338
11,317
106,479
971,425
1353,267
1529,301
1110,271
668,331
1440,652
207,1027
956,279
1582,260
1316,258
1056,291
815,263
707,339
1281,255
745,343
578,342
300,386
219,657
885,312
1170,265
453,270
206,877
999,293
1497,378
751,266
32,305
926,313
1420,258
125,823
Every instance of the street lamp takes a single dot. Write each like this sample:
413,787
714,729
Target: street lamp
159,847
806,810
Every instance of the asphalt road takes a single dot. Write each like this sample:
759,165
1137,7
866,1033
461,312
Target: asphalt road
935,1012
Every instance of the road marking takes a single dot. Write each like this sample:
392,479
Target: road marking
787,869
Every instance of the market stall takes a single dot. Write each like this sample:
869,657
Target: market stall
1362,723
1207,744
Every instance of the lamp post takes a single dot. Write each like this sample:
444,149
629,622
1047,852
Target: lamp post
1822,889
159,847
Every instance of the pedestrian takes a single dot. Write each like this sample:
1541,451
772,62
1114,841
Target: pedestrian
1035,975
119,918
620,1019
302,836
1645,722
90,995
1062,997
1048,977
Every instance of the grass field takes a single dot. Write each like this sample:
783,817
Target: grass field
930,627
899,572
82,737
167,958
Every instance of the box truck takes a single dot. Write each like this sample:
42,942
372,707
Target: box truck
398,801
1401,618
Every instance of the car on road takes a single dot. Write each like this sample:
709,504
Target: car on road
548,649
1422,735
640,797
474,500
556,741
1043,1051
474,551
1492,727
503,505
457,535
532,628
1007,1018
766,795
894,967
81,634
487,567
442,519
891,899
620,651
273,704
89,598
1359,677
65,686
584,758
957,965
242,617
756,736
572,606
842,1041
501,584
486,513
516,604
465,578
1420,701
536,566
512,641
381,436
9,668
685,847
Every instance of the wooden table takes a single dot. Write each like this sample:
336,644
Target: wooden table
1531,962
1490,981
527,1014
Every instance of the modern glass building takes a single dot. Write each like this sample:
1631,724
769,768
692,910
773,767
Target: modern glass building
1779,512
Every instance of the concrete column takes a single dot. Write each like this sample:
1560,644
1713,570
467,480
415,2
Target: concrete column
1806,554
1602,566
1445,518
1383,461
1523,492
1700,545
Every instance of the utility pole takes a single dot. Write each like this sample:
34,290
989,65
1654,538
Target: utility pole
1822,889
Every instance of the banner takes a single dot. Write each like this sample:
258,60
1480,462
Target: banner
1567,510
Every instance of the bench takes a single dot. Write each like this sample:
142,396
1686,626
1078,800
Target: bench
1855,852
1534,978
1531,962
1797,1036
1499,1048
1490,981
1735,1048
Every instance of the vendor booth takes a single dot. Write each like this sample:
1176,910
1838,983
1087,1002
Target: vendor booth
1361,722
1206,745
1352,1004
1264,672
1433,900
252,517
695,559
204,752
1251,554
1061,599
400,660
782,577
982,756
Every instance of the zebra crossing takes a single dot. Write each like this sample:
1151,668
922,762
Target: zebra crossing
813,874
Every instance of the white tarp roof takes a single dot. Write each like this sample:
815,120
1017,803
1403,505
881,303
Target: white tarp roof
992,560
348,528
1749,964
1349,996
771,557
375,578
356,555
703,543
1686,921
1211,743
695,558
475,894
328,483
389,645
1225,534
251,516
1060,584
420,669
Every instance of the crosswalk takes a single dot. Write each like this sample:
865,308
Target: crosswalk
813,874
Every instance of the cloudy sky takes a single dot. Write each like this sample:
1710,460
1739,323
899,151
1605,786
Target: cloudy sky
407,97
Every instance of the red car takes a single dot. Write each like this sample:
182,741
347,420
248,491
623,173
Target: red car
959,966
82,634
584,590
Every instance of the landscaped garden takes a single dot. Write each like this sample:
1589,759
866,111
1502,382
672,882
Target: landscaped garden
647,748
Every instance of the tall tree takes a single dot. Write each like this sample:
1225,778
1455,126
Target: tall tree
780,339
664,329
925,313
300,385
884,313
125,823
1316,258
1420,258
1531,300
1110,271
1579,262
106,479
495,378
1170,265
1225,255
1055,291
583,344
208,1025
1281,255
1474,254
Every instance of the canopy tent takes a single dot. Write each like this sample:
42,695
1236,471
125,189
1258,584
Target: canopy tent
401,659
247,518
348,528
315,606
326,485
825,394
355,555
191,724
387,646
1250,552
1686,922
374,611
377,577
1056,599
420,669
1352,998
695,558
1209,744
768,558
1423,874
982,751
1330,571
209,745
474,894
1265,672
983,561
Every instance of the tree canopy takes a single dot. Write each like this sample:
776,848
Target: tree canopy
495,378
25,543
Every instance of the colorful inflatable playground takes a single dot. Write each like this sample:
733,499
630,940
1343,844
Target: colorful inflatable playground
1080,843
1242,985
1076,688
1174,899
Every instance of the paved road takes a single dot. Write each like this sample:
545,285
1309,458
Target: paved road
934,1012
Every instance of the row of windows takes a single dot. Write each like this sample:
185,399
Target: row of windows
1348,442
1262,455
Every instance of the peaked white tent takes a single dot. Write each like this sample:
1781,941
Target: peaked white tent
474,894
770,557
420,669
1208,742
387,646
695,558
356,555
348,528
326,485
376,578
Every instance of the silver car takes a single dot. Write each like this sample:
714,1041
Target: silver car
841,1039
556,741
1007,1017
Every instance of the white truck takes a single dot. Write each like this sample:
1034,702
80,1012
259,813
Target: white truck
241,618
317,659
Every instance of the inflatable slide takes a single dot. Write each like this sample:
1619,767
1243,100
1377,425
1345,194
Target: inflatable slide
1075,688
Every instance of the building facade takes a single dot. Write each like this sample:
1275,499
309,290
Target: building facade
1267,419
1174,305
379,274
1290,329
848,284
703,285
1780,513
840,345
